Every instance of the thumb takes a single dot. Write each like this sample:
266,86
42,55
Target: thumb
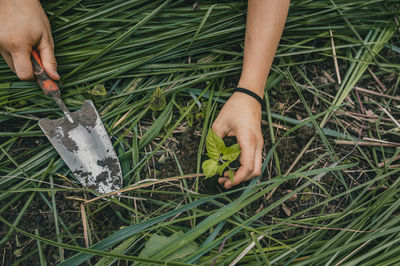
46,51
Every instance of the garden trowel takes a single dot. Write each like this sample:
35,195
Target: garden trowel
80,138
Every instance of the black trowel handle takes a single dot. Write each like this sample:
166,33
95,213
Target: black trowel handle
49,86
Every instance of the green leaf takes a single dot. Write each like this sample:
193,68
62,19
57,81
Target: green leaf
156,243
235,147
231,174
231,153
158,100
98,90
210,167
214,145
200,116
307,194
222,167
209,155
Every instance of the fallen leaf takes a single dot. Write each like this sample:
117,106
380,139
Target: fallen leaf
156,243
286,209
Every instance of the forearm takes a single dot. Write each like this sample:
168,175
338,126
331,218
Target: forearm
264,26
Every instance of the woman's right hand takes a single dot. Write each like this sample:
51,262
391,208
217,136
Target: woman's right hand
24,25
241,117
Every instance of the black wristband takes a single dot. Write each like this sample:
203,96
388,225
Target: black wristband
252,94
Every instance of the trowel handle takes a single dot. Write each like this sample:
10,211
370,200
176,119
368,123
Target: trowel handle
45,82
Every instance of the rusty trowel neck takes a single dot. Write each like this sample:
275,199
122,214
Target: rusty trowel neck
56,95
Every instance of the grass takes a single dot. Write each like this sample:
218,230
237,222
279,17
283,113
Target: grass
329,190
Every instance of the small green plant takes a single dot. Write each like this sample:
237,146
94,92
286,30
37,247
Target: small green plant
98,90
158,100
220,156
196,113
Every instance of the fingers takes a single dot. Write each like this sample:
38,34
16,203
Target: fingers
219,129
22,62
7,57
19,60
46,51
258,157
250,160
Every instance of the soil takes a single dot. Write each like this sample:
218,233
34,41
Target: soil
105,218
110,217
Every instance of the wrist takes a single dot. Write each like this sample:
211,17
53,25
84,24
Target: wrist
244,92
254,86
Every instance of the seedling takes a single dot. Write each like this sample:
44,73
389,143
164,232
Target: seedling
158,100
220,156
98,90
196,113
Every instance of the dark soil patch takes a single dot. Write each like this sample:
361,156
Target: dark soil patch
179,155
102,216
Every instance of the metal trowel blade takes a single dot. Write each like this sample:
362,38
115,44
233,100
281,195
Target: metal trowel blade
86,148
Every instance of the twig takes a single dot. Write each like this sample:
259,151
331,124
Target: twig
66,179
335,61
144,185
397,98
362,111
4,256
122,118
354,251
84,223
377,80
219,250
245,251
366,143
382,164
380,141
391,117
329,228
361,116
265,123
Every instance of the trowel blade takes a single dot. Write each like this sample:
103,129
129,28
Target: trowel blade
86,148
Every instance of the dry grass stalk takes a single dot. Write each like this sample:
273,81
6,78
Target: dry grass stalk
122,118
383,88
84,223
397,98
382,164
366,143
335,58
136,186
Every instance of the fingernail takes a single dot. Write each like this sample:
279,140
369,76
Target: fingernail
56,74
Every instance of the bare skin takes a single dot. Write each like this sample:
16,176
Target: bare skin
241,114
24,25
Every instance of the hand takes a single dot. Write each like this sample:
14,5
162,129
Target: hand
241,117
24,25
